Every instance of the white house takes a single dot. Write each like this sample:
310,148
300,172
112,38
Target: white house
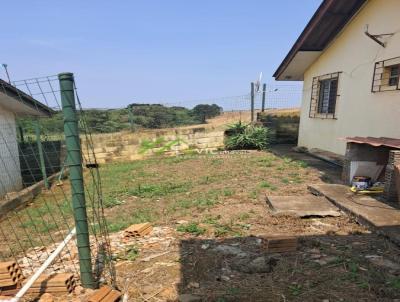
348,56
14,103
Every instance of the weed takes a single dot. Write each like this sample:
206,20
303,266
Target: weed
192,228
244,216
395,283
155,190
302,164
267,185
242,136
285,180
253,194
222,230
130,253
228,192
212,219
266,161
295,289
112,202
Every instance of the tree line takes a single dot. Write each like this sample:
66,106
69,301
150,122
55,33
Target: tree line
134,116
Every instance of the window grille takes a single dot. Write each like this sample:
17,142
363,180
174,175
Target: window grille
386,75
324,96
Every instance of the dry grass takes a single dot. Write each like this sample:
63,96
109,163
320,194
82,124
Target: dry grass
222,198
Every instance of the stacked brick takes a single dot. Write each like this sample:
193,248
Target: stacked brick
138,230
59,284
390,181
105,294
280,244
10,276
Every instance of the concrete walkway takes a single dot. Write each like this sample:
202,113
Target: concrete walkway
382,217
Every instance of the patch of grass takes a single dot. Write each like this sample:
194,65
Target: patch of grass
267,185
253,194
217,161
266,162
228,192
285,180
212,219
192,228
156,190
111,202
395,283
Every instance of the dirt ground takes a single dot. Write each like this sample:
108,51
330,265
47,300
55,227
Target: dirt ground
210,217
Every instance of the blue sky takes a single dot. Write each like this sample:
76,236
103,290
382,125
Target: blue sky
167,51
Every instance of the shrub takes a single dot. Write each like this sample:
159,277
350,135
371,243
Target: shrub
242,136
192,228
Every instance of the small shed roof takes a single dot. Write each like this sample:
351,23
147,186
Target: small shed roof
375,141
20,103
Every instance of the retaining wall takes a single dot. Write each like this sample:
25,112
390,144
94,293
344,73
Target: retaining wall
125,146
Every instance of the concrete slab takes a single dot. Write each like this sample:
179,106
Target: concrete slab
301,206
369,211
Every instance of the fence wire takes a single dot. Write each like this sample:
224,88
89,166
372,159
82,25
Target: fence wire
35,195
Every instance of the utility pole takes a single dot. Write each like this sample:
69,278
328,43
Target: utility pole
252,102
263,97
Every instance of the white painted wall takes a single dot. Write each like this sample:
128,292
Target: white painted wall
10,174
359,111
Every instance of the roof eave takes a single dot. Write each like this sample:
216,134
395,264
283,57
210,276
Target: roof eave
323,10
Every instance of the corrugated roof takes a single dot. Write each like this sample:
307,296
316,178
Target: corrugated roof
375,141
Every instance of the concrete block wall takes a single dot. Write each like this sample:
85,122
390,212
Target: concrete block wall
126,146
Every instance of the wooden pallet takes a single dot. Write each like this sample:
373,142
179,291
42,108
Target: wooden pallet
280,244
105,294
138,230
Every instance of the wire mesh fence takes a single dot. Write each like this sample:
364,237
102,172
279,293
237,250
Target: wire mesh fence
36,212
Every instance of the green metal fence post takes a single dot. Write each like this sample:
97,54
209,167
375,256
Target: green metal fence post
41,156
74,162
252,102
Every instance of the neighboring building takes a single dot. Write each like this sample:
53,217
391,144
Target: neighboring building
14,103
349,59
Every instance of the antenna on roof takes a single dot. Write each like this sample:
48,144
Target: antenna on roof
5,68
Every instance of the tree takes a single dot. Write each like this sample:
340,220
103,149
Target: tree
205,111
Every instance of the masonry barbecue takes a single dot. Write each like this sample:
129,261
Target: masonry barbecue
374,157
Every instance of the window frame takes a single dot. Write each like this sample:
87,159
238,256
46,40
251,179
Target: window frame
382,76
316,99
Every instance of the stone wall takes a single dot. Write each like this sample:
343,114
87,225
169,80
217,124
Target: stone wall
125,146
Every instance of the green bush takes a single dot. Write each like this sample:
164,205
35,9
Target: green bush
246,136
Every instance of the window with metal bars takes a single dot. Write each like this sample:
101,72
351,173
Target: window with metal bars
386,75
324,95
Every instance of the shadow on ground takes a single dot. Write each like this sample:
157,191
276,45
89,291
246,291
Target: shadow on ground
325,268
330,173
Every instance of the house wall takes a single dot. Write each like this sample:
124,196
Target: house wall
359,112
10,172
